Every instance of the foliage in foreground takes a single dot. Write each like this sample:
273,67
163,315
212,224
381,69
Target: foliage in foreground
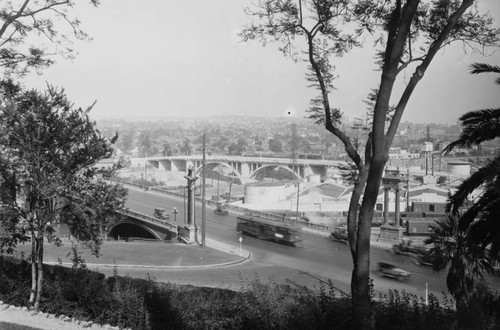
145,304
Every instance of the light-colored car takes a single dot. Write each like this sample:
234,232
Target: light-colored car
389,270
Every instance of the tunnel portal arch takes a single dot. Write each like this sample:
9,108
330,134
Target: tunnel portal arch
129,228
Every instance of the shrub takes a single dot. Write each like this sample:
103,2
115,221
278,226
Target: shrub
483,309
145,304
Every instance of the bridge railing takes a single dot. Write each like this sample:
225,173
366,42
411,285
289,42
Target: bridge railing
229,207
148,218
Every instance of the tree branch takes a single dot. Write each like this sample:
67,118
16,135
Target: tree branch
420,70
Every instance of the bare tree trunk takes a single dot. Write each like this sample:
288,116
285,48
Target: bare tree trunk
360,281
33,268
40,272
360,289
352,214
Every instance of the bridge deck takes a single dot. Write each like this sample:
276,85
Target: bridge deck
148,219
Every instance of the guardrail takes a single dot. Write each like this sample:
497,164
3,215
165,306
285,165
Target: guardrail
148,218
229,207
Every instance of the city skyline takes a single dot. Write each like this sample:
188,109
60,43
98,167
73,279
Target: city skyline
185,59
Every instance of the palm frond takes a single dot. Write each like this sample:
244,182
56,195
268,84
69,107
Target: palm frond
469,216
479,116
478,126
485,174
455,144
486,230
476,68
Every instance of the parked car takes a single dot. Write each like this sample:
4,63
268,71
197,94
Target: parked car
340,234
389,270
160,214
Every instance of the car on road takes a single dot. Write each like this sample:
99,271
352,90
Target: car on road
160,213
418,253
340,234
221,209
389,270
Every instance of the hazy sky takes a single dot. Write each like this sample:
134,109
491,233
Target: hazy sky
160,58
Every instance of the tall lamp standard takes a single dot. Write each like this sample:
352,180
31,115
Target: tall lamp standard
175,211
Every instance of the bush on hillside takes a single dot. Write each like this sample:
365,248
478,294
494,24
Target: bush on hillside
146,304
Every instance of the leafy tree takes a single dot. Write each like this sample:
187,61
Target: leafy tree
275,145
222,142
235,149
408,34
27,27
305,146
49,154
481,219
242,142
257,140
167,149
126,141
185,148
145,143
199,139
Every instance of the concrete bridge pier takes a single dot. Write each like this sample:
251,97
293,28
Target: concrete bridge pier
187,232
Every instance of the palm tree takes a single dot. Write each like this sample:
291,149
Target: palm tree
467,262
481,221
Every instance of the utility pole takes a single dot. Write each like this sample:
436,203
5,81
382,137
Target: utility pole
407,190
297,209
203,200
218,178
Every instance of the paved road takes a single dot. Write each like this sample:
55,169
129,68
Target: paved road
319,259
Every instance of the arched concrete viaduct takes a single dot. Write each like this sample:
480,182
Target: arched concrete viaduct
264,167
241,166
212,165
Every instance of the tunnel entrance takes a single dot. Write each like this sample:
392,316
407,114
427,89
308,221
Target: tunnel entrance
128,230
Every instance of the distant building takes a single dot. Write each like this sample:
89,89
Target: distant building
459,168
427,147
398,153
428,207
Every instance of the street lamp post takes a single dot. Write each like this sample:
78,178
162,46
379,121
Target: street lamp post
229,194
240,240
175,211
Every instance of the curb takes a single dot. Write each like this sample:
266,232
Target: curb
92,265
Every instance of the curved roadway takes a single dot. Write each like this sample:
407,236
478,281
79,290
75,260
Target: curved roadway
317,261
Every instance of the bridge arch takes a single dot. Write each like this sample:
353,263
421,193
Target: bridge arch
265,167
130,228
210,166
